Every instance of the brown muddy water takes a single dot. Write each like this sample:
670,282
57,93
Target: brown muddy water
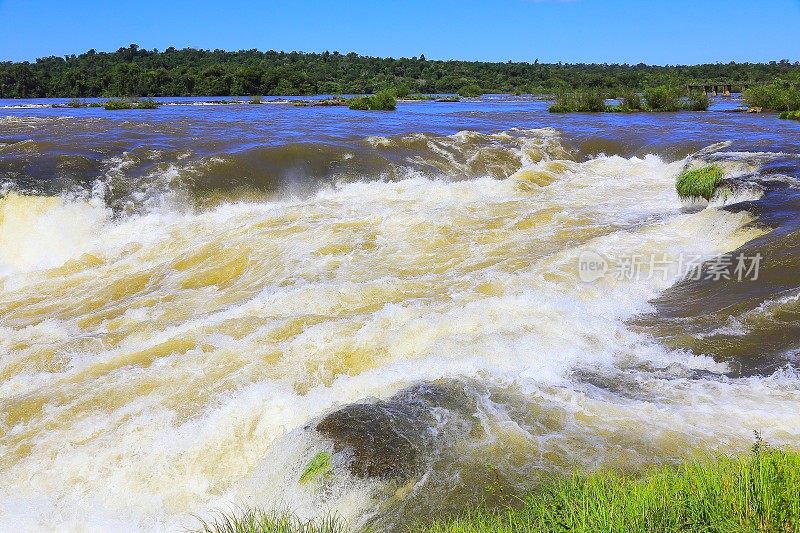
197,300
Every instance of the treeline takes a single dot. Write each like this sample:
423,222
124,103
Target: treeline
135,71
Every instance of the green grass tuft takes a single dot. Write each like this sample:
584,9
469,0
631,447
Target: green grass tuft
381,101
790,115
258,521
318,468
117,104
114,105
416,97
147,103
756,493
579,102
699,182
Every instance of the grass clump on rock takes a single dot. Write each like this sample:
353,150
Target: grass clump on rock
790,115
699,182
319,468
756,493
147,103
114,105
117,104
579,102
380,101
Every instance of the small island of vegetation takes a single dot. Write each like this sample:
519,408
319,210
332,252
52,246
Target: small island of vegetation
382,101
654,99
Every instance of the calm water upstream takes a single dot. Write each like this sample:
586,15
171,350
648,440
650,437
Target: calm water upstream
197,300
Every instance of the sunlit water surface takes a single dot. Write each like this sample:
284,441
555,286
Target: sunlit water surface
186,292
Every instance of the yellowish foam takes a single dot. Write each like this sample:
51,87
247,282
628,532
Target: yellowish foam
152,364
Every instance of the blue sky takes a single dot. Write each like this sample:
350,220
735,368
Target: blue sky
632,31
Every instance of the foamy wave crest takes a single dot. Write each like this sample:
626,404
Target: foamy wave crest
38,232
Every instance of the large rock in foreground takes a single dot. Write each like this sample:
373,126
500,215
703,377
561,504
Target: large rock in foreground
393,439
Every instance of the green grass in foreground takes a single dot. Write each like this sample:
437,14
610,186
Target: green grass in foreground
760,493
699,182
755,493
257,521
790,115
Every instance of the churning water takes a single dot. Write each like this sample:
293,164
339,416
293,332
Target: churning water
195,301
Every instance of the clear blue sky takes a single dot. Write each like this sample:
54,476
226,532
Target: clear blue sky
633,31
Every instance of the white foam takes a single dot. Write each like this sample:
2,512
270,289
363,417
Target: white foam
228,331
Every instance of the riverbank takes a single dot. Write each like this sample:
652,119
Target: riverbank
756,492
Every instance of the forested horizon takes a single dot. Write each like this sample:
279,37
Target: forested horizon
138,72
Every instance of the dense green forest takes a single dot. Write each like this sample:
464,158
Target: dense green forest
135,71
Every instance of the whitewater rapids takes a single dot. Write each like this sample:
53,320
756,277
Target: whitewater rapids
163,365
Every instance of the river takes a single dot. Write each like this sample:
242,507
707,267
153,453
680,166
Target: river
195,301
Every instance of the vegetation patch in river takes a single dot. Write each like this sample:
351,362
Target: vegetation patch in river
381,101
118,104
579,102
654,99
470,91
662,98
774,96
699,182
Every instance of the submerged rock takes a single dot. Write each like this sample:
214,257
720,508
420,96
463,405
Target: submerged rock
394,438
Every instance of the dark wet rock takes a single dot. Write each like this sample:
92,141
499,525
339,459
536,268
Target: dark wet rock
395,438
384,441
